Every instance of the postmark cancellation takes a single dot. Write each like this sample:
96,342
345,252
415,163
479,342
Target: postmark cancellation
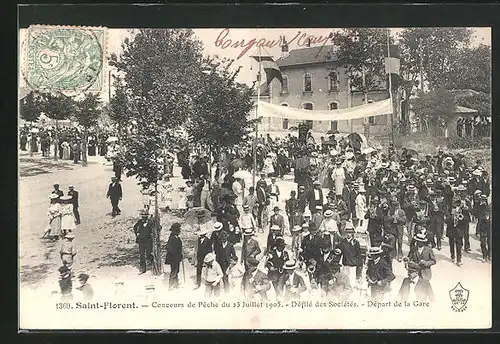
65,58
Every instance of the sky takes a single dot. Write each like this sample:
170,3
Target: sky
221,42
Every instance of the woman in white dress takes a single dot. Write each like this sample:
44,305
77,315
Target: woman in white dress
338,176
53,230
66,150
268,165
238,191
361,205
67,215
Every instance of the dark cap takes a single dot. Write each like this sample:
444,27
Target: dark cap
176,227
84,277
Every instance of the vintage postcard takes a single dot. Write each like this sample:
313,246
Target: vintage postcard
298,178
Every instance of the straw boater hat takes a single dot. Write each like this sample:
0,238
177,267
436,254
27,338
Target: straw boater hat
461,187
314,154
275,228
246,207
70,235
65,198
217,226
476,173
349,225
290,264
296,228
248,231
210,257
483,197
316,182
328,213
361,188
420,237
374,251
319,207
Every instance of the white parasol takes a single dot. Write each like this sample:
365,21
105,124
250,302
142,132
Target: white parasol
112,139
245,175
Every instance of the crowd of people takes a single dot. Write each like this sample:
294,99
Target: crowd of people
390,195
339,231
69,142
479,126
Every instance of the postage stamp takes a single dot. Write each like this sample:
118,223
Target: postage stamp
61,58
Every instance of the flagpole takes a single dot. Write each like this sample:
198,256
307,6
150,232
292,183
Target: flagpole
256,124
390,83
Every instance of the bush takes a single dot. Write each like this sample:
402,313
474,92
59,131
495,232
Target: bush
468,142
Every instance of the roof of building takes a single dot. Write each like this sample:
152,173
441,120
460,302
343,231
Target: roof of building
464,110
304,56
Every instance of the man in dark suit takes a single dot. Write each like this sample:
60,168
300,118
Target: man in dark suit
277,259
413,288
315,197
278,220
115,195
74,200
424,257
349,196
249,251
351,254
226,257
378,274
174,255
143,236
455,231
328,264
205,246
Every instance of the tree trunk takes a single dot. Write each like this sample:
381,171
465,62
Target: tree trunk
84,147
56,146
156,249
31,139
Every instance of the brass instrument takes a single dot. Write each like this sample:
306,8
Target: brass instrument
311,268
435,206
457,215
405,261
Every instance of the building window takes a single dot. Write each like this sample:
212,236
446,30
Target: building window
333,81
307,82
285,123
333,124
284,87
371,120
308,106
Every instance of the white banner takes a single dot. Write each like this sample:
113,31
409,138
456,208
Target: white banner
368,110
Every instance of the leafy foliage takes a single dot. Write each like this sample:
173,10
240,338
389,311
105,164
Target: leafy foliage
221,108
436,107
57,106
158,67
88,110
472,69
118,105
30,107
369,50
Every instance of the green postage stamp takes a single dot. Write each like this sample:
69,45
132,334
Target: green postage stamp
60,58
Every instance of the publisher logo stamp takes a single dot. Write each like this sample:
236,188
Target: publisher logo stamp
459,297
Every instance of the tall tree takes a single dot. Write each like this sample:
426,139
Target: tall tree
119,108
87,114
58,107
221,109
30,109
434,108
158,67
471,69
431,53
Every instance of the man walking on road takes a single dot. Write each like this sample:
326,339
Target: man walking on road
74,200
115,195
174,255
143,231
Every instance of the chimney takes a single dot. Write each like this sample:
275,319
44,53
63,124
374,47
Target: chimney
284,46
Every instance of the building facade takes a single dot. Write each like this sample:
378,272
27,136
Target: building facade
314,79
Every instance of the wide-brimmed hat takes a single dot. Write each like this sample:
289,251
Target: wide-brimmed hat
361,189
420,237
248,231
328,213
69,235
290,264
349,225
83,277
374,251
275,228
217,226
461,187
210,257
65,198
476,173
319,207
296,228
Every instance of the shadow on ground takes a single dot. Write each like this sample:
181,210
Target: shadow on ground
33,274
121,257
32,166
